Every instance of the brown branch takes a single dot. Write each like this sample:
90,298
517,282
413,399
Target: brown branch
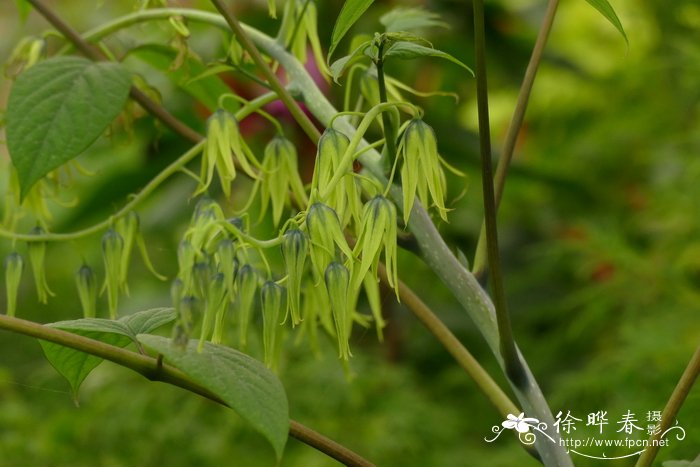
154,370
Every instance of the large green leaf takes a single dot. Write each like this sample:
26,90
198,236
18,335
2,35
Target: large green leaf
75,365
245,384
351,12
410,50
57,109
605,9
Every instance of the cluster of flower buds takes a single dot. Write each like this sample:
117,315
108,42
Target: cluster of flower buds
224,148
421,170
280,175
343,197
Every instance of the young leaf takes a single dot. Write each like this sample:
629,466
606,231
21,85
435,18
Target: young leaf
410,19
57,109
24,8
244,383
410,50
351,12
605,9
75,365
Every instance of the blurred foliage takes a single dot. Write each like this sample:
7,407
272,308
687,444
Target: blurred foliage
600,234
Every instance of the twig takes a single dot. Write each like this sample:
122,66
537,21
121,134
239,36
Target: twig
508,350
680,393
154,370
481,255
275,84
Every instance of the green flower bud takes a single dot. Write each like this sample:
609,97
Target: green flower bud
227,263
128,228
247,282
295,248
201,274
13,275
86,282
326,235
186,257
215,304
37,256
421,170
378,230
274,302
344,197
338,283
177,290
280,174
185,319
224,143
112,251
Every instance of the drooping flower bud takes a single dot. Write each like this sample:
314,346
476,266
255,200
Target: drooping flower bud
344,197
13,275
273,299
280,173
112,251
186,257
247,282
338,283
86,283
326,235
224,143
214,305
227,263
378,230
295,248
201,274
128,228
37,256
421,170
183,325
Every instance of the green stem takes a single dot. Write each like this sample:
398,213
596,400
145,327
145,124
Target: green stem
302,119
388,124
481,255
154,370
147,190
505,333
680,393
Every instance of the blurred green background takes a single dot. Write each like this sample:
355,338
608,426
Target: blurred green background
600,231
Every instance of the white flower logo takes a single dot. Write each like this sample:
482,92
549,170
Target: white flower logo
520,423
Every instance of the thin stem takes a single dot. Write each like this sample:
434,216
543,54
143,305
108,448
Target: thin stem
326,445
481,255
493,392
680,393
388,124
507,343
149,105
154,370
304,121
174,167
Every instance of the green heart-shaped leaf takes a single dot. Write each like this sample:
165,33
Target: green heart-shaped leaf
57,109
